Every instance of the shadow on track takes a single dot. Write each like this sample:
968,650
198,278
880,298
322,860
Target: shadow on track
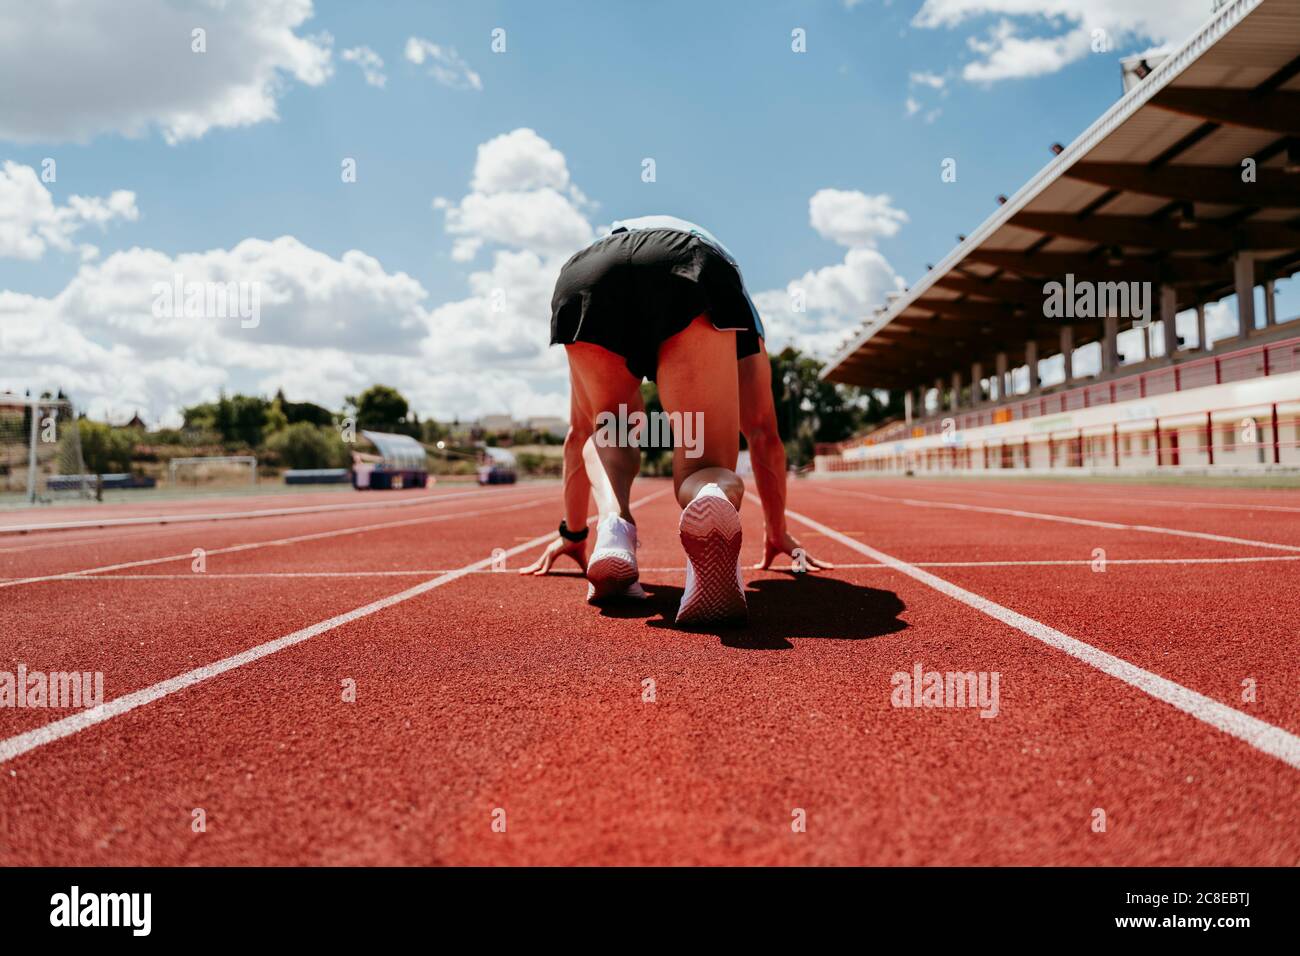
790,606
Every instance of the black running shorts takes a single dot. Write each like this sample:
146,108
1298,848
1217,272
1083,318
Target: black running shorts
631,290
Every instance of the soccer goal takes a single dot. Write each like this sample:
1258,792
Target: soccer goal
40,450
212,470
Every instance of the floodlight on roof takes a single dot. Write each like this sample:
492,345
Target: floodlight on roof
1292,163
1185,215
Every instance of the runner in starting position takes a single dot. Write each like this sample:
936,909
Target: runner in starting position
661,298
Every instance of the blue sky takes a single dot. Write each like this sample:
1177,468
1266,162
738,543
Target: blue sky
228,150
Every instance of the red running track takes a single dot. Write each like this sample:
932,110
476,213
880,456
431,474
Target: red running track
1159,692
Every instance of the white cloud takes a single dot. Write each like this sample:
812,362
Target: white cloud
328,326
520,196
813,311
519,160
835,298
31,222
94,68
370,62
445,64
853,218
1066,30
912,106
1008,56
100,340
925,78
539,219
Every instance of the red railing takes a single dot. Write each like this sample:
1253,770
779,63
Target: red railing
1274,358
1227,436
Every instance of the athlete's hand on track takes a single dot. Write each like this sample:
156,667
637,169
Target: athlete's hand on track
574,549
789,544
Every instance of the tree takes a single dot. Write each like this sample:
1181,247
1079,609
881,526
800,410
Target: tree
303,411
304,445
239,419
381,407
105,450
810,410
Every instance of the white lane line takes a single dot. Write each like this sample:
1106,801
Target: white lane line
1118,500
183,517
1067,519
28,741
314,536
679,569
1264,737
90,537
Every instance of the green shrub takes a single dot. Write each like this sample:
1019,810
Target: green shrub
304,445
105,449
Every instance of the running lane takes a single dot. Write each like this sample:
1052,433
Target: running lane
51,553
504,695
140,630
1225,629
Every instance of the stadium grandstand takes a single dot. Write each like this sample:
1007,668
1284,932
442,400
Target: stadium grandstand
1184,193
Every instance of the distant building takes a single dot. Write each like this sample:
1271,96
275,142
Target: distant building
136,422
492,424
549,424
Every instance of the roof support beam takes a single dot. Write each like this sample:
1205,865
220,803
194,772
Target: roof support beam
1212,184
1200,235
1057,264
1000,290
1277,111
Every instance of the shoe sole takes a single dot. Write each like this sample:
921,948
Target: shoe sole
710,533
610,573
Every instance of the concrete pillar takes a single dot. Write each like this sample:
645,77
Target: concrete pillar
922,408
1200,328
1001,375
907,407
976,383
1109,347
1031,363
1243,277
939,397
956,391
1270,307
1067,351
1169,316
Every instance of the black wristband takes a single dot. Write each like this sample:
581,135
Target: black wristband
575,536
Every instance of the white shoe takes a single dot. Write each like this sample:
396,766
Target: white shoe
612,569
710,533
633,592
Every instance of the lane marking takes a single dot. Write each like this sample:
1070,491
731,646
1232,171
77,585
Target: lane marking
28,741
1263,736
1109,502
1067,519
679,569
254,545
183,517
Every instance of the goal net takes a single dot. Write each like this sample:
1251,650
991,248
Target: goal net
40,451
212,471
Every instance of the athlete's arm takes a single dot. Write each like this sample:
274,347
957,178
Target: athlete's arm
767,456
577,490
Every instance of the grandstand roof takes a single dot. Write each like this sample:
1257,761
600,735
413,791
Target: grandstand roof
1153,190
